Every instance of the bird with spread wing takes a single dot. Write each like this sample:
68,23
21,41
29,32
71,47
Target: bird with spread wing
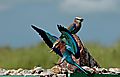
65,46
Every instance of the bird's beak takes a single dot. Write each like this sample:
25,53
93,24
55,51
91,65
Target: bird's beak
51,50
81,20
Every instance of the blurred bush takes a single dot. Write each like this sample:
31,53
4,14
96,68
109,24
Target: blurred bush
39,55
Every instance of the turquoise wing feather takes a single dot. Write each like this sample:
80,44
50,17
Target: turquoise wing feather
47,37
67,37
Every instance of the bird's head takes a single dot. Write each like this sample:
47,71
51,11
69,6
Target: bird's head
78,19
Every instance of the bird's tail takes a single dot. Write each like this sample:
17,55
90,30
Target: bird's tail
81,68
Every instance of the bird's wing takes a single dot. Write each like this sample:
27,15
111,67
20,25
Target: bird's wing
47,37
69,39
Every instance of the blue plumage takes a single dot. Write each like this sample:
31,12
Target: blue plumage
65,46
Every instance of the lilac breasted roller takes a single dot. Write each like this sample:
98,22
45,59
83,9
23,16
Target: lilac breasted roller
68,48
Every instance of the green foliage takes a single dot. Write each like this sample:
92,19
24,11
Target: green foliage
27,57
107,56
39,55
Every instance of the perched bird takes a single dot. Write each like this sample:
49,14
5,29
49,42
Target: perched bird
76,25
64,47
82,57
73,29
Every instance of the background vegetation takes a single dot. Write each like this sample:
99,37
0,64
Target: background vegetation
28,57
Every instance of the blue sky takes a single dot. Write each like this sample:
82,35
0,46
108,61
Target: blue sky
101,19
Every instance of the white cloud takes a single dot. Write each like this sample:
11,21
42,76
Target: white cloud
3,7
8,4
87,6
70,6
